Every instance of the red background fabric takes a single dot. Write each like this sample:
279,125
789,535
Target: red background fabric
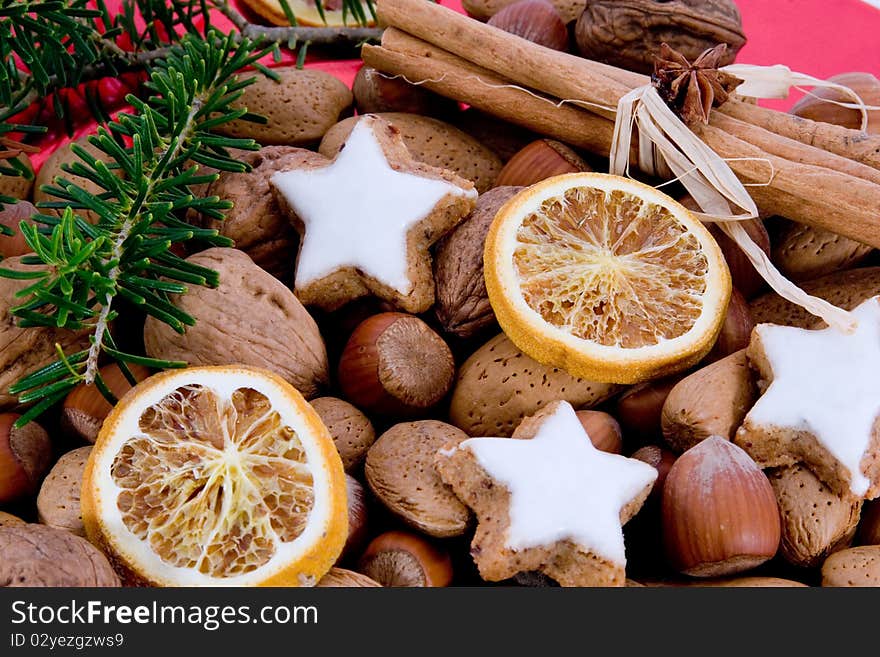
818,37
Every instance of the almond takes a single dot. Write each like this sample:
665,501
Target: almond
400,473
815,520
300,107
499,385
804,252
18,186
432,142
462,305
858,566
710,402
7,520
251,318
351,430
59,498
846,289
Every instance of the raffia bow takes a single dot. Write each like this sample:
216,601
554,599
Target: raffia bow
666,145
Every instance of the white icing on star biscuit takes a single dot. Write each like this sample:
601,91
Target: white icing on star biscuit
566,501
367,218
822,404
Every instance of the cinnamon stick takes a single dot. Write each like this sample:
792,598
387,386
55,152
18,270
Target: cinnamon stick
452,76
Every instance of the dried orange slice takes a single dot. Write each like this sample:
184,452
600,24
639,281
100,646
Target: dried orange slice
307,14
219,476
606,278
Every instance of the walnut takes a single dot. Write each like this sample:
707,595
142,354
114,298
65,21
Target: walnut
628,33
255,222
462,301
36,555
23,350
251,318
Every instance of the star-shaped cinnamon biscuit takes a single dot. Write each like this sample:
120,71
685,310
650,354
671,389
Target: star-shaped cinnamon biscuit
367,218
821,405
547,500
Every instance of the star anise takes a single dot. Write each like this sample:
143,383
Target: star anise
692,89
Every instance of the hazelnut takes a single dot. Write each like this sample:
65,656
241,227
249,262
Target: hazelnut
864,84
869,525
603,430
11,215
736,330
661,460
398,558
394,364
719,512
536,20
25,455
377,92
538,161
351,430
638,409
85,408
357,517
743,274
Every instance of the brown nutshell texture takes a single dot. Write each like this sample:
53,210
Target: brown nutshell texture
627,33
400,473
499,385
485,9
23,350
11,216
17,186
462,304
251,318
256,223
342,578
815,520
300,107
713,401
864,84
869,525
537,21
7,520
432,142
58,503
719,512
351,430
36,555
804,252
403,559
25,456
846,289
858,566
52,168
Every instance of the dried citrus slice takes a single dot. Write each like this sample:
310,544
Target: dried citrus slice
307,14
216,476
605,277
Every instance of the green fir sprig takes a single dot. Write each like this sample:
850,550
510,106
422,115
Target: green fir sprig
88,269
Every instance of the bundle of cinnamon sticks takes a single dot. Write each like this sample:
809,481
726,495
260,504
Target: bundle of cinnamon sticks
814,173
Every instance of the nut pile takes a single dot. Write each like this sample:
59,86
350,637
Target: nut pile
402,393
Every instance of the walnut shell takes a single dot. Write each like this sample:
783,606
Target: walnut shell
23,350
400,472
251,318
351,430
462,304
58,503
628,33
499,385
36,555
255,223
815,520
